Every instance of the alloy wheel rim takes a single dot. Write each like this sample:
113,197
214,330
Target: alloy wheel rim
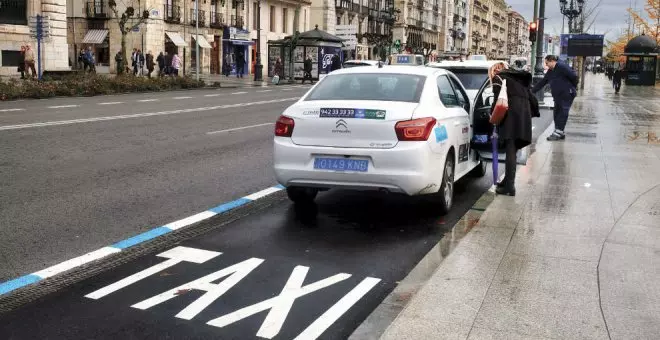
449,183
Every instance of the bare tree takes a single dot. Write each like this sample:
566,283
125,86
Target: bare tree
125,27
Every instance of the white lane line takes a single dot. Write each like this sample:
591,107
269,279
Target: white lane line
140,115
238,128
76,262
111,103
212,95
190,220
185,97
11,110
62,106
242,92
147,100
262,193
262,91
287,89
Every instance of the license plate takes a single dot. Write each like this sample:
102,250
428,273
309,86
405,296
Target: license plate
341,164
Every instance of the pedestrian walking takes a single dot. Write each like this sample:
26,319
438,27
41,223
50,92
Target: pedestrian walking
277,71
515,129
336,63
21,63
176,64
81,60
616,80
119,62
89,57
141,61
307,69
29,61
240,65
134,61
563,81
227,65
161,64
150,63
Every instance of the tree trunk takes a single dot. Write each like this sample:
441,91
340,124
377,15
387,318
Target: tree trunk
123,53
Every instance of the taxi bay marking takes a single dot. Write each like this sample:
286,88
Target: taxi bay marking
278,307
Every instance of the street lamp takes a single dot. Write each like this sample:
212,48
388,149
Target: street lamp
258,68
571,11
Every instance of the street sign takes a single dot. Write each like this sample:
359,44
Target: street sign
348,33
585,45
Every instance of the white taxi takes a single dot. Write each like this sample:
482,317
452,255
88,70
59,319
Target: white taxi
396,129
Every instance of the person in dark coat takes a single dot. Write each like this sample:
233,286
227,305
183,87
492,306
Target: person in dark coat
240,65
336,63
21,62
563,81
150,63
307,69
515,130
616,80
160,60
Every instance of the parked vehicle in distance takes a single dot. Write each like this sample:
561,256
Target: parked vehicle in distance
396,129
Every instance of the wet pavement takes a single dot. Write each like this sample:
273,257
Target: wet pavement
575,255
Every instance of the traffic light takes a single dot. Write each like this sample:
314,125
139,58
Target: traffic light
532,31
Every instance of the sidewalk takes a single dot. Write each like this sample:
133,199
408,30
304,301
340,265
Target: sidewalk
576,254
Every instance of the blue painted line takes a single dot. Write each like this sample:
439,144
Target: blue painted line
16,283
146,236
280,186
230,205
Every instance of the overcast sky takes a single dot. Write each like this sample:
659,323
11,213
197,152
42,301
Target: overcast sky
611,15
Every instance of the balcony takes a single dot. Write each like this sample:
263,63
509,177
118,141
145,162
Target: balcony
237,21
343,4
420,4
355,7
97,9
194,17
172,14
217,20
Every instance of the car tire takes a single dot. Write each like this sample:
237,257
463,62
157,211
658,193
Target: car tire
301,194
481,169
446,192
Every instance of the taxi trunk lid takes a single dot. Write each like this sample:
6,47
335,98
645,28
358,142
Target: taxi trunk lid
349,123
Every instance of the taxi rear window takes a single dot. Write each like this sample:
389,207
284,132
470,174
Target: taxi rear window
369,86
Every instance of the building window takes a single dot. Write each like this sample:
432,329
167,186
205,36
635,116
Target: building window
285,20
272,18
10,58
13,12
338,20
255,8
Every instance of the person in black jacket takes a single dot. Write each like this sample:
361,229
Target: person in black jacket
160,60
616,80
307,69
515,130
563,81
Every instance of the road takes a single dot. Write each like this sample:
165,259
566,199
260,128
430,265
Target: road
78,174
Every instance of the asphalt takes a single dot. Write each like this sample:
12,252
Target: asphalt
78,187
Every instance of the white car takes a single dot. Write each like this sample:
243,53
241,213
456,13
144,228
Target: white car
397,129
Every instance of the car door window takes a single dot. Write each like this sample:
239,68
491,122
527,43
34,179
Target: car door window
486,97
446,92
463,100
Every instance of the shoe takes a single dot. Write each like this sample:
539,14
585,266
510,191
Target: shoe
556,136
505,191
502,183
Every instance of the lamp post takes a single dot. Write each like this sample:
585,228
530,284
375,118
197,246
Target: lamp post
571,11
538,70
196,41
258,68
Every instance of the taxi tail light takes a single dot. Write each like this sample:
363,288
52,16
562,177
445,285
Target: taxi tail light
415,130
284,126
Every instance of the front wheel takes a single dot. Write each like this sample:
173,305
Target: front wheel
301,194
446,191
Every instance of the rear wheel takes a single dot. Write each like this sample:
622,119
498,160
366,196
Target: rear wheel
446,191
301,194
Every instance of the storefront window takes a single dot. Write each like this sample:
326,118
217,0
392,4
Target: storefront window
13,12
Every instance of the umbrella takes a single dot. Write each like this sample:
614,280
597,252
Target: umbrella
496,157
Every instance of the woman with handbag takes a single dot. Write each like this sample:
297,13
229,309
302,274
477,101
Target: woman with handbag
512,115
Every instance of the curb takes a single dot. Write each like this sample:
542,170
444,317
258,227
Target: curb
29,279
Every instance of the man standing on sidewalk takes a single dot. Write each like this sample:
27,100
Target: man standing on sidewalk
616,80
563,81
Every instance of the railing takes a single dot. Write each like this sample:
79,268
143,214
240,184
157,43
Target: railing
355,7
172,14
97,9
237,21
201,17
343,4
364,10
13,12
217,20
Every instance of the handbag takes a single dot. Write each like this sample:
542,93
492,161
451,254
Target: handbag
276,80
501,106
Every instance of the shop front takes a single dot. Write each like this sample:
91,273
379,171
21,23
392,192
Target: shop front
641,61
235,45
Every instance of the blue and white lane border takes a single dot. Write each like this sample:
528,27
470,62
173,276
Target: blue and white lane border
8,286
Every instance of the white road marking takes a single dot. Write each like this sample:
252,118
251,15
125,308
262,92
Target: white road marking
140,115
287,89
11,110
279,305
262,193
242,92
186,97
111,103
238,128
77,261
175,256
190,220
62,106
213,291
333,314
262,91
147,100
212,95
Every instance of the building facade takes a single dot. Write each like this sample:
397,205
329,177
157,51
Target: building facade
419,27
518,43
225,29
455,30
15,32
489,28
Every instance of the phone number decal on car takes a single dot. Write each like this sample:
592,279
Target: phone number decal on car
352,113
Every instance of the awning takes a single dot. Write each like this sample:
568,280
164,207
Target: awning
176,39
239,42
95,36
202,41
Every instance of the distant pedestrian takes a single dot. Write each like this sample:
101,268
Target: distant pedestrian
168,63
119,62
150,63
89,57
227,65
161,64
307,69
563,81
616,80
81,60
141,61
336,63
240,65
134,61
21,62
176,64
29,61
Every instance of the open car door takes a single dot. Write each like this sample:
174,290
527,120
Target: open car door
483,129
